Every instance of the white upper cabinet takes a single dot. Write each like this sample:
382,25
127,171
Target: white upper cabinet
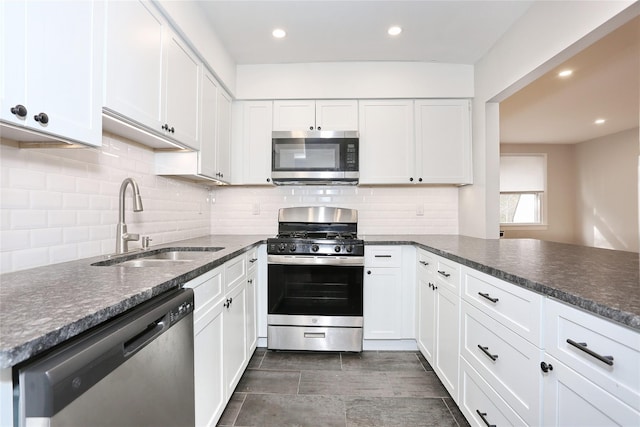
386,142
223,138
208,127
253,123
415,142
51,70
443,141
152,77
182,91
298,115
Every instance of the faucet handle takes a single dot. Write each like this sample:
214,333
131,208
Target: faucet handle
145,242
132,236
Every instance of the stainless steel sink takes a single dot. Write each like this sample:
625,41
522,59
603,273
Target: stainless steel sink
159,257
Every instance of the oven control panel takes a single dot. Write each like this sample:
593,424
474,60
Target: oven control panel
315,248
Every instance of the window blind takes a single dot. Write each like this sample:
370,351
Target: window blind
523,172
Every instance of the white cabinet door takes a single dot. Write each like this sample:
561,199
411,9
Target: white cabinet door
182,92
294,115
52,66
235,337
252,320
443,141
426,326
209,387
570,400
447,309
256,153
382,303
208,368
337,115
223,140
136,35
386,142
208,126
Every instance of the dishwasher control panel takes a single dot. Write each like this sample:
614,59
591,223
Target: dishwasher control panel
180,311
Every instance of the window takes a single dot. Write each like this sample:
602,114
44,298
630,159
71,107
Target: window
523,179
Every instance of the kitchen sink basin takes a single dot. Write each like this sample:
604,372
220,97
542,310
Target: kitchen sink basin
159,257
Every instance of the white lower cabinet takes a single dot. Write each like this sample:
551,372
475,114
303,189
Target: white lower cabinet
382,292
224,333
210,397
571,400
235,337
594,378
438,324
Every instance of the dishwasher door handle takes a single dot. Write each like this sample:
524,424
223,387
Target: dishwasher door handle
140,340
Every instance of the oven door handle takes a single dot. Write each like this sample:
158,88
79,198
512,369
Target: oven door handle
315,260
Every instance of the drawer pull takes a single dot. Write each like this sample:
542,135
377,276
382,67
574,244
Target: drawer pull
483,415
314,335
424,263
252,260
494,300
583,346
382,256
444,273
485,350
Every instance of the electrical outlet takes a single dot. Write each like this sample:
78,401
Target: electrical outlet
420,210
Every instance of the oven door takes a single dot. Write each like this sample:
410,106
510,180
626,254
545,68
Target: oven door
315,293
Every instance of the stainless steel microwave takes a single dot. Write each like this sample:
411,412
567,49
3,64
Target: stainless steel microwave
315,157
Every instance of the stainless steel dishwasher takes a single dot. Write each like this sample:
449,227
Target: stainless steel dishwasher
136,370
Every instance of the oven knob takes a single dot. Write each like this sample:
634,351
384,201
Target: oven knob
282,247
292,247
337,248
315,248
349,248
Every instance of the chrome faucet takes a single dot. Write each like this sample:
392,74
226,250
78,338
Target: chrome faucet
122,237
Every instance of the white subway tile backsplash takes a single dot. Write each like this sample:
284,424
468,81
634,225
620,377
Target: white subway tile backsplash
44,237
15,199
27,219
45,199
26,179
28,258
12,240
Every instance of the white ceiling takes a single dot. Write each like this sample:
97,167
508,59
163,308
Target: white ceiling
550,110
605,84
451,31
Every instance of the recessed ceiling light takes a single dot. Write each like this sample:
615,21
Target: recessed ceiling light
565,73
279,33
599,121
394,31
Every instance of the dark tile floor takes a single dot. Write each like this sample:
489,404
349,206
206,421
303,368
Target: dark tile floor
340,389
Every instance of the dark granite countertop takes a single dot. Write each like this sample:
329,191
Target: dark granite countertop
43,307
602,281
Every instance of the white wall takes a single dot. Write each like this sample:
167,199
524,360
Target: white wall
62,204
382,210
354,80
549,33
607,193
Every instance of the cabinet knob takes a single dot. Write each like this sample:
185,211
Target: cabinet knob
319,128
368,271
411,179
310,127
268,179
42,118
419,179
546,367
172,130
19,110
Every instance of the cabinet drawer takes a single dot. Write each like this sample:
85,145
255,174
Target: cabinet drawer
619,376
207,291
480,404
515,372
252,259
448,274
382,256
235,272
518,309
426,262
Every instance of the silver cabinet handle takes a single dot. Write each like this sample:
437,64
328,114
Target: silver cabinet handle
494,300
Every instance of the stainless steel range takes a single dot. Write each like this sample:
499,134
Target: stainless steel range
315,274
